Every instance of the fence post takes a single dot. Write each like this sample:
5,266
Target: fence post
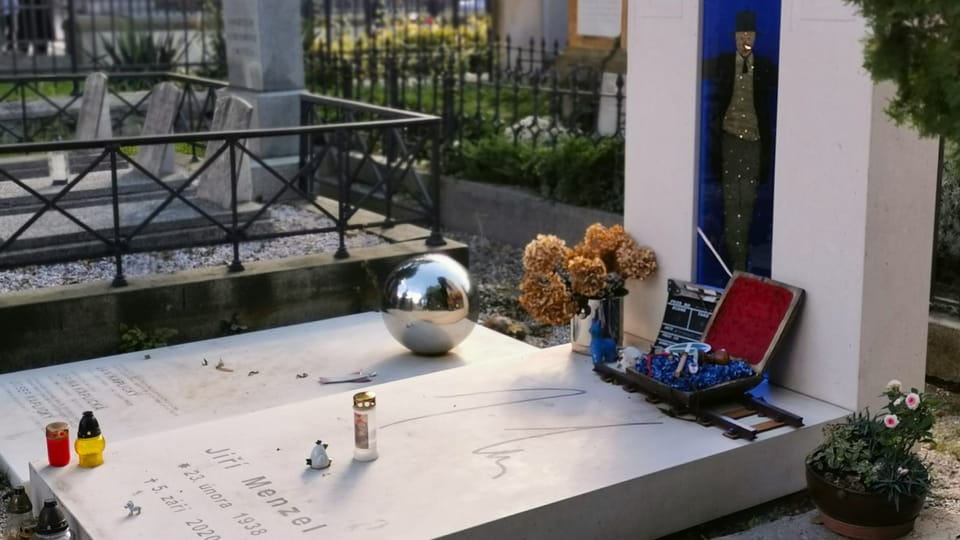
327,23
235,265
449,107
118,243
70,27
435,238
343,191
346,72
393,100
305,140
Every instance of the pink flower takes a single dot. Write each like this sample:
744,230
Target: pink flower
913,400
891,421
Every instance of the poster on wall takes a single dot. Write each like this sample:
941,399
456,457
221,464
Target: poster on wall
740,64
599,18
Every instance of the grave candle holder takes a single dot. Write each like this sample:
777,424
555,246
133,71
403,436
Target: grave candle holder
58,444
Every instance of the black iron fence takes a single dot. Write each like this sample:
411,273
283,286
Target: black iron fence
70,36
362,151
46,107
480,86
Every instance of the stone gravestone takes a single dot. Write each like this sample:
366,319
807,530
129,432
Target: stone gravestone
609,117
265,68
231,113
94,119
158,158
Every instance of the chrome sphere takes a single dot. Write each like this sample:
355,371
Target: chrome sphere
429,303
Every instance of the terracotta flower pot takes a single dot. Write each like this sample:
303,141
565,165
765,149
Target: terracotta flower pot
861,515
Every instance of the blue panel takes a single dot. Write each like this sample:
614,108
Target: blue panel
718,54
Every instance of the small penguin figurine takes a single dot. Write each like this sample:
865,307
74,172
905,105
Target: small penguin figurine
318,457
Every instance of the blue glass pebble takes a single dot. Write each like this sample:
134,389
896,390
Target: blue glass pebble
663,368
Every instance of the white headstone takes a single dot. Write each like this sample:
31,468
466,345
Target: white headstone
265,68
264,48
94,119
854,198
231,113
609,114
161,113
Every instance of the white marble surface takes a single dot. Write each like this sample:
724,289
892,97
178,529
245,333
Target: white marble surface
132,395
537,447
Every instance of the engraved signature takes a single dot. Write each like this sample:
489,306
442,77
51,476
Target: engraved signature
499,456
559,393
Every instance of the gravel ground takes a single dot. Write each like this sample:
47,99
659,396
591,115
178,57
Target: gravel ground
285,217
497,270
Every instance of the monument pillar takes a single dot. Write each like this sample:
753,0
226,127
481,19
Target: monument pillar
265,68
854,197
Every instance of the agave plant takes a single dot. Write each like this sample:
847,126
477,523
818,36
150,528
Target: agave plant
141,51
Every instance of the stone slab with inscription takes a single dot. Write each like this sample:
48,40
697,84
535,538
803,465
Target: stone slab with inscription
133,395
216,181
532,448
157,159
93,122
264,49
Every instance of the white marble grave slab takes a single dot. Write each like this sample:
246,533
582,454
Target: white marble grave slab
132,396
537,448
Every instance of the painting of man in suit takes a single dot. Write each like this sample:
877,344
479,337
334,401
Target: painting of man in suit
741,136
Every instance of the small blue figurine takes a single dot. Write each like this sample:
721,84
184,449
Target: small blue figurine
602,349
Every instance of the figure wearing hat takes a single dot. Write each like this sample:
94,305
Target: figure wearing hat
740,131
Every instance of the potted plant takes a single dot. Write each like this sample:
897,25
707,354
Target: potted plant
583,286
866,477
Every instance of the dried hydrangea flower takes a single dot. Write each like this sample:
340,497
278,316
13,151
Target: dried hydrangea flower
587,276
544,254
547,299
634,261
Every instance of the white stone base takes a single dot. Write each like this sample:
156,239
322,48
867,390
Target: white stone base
133,394
535,447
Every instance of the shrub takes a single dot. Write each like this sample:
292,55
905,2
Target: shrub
577,170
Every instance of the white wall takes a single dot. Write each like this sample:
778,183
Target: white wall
661,152
853,214
853,203
521,20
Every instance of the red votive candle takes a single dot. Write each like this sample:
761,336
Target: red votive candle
58,444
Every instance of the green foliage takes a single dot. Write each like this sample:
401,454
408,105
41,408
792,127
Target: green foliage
876,453
576,170
917,46
132,338
232,326
139,51
497,160
583,172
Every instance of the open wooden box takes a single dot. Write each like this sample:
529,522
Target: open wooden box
750,320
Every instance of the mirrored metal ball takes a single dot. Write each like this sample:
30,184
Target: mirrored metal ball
429,303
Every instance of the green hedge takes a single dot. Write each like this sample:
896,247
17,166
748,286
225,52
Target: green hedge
577,170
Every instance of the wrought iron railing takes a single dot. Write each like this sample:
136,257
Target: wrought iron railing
397,149
45,107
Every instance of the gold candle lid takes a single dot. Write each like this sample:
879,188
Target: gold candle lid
364,399
57,429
